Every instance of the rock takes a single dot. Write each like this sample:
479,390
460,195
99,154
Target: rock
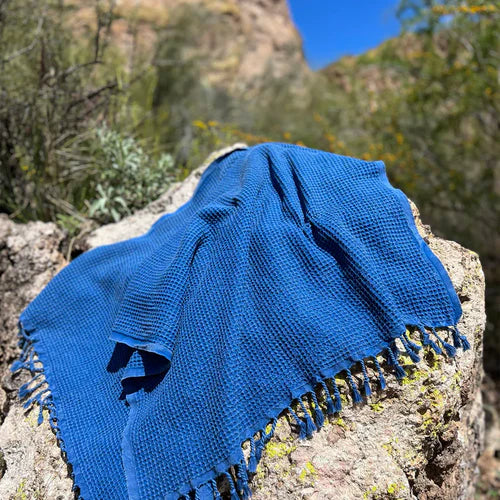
241,42
420,438
29,256
30,460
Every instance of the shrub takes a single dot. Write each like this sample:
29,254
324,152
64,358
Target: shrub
124,176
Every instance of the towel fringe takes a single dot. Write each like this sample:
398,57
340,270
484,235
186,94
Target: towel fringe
395,350
259,446
319,418
356,396
392,361
459,340
330,408
232,488
366,380
39,392
310,427
381,378
302,425
36,391
409,349
252,461
426,340
242,481
415,347
267,436
450,350
336,392
215,490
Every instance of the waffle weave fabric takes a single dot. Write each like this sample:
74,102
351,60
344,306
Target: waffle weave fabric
164,354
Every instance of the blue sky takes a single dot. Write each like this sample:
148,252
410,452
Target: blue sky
334,28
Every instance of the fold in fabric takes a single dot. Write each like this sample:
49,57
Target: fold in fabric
165,353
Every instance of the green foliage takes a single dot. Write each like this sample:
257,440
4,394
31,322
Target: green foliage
47,98
127,178
59,160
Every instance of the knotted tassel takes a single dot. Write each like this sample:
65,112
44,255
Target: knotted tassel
400,371
23,331
310,427
330,409
336,392
356,396
319,418
260,443
36,397
196,494
450,350
465,342
366,381
269,435
302,425
462,339
456,338
381,378
25,389
394,348
242,481
413,356
259,447
389,356
426,340
40,414
416,348
252,461
232,489
215,490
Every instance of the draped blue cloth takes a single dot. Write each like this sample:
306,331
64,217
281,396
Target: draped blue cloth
164,354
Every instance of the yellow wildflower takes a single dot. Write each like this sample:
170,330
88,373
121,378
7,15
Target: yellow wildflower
199,124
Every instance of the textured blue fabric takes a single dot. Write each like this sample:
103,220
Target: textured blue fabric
165,353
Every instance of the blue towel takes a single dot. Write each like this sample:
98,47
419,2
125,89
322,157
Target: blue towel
160,357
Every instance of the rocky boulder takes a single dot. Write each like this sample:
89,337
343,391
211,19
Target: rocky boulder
420,438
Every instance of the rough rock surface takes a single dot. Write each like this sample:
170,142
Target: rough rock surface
30,461
244,41
420,438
